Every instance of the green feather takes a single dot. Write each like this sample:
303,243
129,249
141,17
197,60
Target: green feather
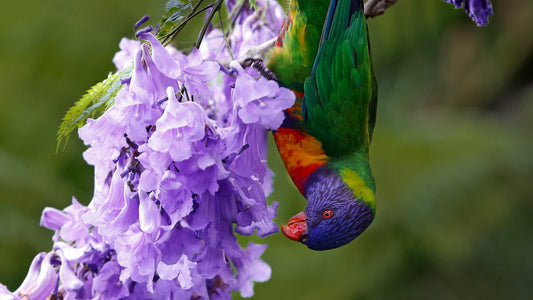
292,63
340,95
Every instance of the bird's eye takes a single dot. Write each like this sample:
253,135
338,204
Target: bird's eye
327,214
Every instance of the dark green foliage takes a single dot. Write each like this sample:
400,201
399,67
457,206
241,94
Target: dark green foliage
176,14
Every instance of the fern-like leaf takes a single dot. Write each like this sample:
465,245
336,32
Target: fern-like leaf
94,103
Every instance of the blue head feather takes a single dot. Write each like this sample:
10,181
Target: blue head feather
325,190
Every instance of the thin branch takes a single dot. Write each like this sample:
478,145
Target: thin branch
208,22
225,36
374,8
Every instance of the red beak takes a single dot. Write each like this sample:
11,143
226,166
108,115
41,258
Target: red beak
296,227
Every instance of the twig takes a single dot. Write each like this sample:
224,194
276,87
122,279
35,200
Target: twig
225,35
260,50
374,8
216,7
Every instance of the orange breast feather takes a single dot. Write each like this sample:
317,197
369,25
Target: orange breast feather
301,153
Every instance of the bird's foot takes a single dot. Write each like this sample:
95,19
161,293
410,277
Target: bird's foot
259,65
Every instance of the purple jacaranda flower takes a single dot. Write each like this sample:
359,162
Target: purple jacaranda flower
67,275
181,270
478,10
42,278
252,28
138,255
5,294
180,168
107,285
251,95
124,57
251,268
260,26
67,223
179,127
163,61
196,73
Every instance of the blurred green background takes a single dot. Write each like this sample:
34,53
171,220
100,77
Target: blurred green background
452,152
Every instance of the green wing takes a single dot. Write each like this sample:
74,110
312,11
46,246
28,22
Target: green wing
340,99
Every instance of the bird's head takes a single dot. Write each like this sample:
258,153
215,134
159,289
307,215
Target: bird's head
336,211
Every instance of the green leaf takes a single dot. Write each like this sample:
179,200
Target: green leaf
94,103
177,11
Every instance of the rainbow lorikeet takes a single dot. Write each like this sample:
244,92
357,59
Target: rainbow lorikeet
323,54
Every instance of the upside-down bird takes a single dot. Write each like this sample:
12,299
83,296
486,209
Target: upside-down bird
323,55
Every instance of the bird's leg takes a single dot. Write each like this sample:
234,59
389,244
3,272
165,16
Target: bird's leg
255,63
253,57
259,65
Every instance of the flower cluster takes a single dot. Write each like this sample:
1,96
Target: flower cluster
478,10
180,166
